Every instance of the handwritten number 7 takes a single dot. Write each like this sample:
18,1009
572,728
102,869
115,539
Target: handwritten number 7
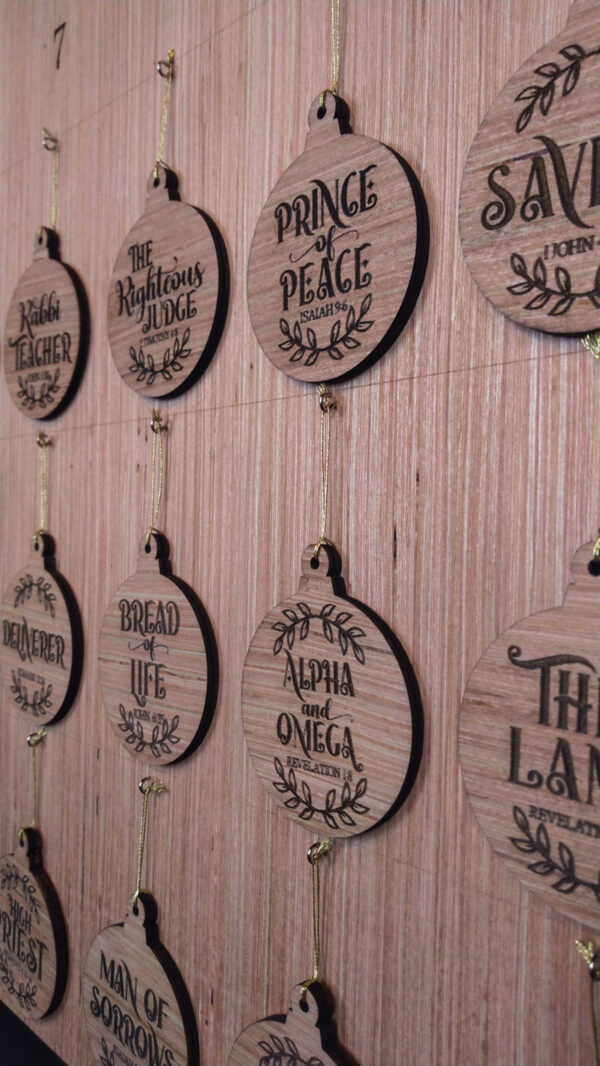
59,32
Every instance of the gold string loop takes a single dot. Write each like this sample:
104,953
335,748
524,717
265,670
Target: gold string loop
596,551
314,855
591,342
327,405
166,69
33,740
592,957
335,50
158,427
50,143
43,444
146,786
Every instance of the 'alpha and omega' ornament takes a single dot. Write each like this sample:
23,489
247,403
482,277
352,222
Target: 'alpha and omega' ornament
158,664
33,949
529,748
530,198
339,252
46,333
41,652
168,294
136,1005
305,1036
331,706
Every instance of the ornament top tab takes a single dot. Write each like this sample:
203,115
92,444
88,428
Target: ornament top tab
339,253
530,197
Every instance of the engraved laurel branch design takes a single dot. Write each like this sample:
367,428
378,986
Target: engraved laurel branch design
26,587
108,1057
537,282
147,369
302,798
347,638
25,993
307,346
48,389
163,733
10,878
284,1052
39,702
543,93
563,866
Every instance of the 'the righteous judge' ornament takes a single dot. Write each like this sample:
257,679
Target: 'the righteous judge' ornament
339,252
331,707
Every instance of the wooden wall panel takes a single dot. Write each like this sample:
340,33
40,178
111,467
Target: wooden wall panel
465,469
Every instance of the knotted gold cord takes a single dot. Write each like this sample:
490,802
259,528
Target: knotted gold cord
50,142
314,855
43,444
158,428
146,787
327,405
589,954
591,342
33,740
335,50
170,65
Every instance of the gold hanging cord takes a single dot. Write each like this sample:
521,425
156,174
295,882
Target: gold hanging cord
146,787
335,50
50,143
158,428
33,740
43,444
590,955
314,855
591,342
327,405
166,69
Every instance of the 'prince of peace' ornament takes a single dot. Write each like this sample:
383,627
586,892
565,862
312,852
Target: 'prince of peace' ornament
339,252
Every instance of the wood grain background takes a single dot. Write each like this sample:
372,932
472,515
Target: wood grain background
466,471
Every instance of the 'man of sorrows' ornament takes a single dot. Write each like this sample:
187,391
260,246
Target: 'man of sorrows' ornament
339,252
331,707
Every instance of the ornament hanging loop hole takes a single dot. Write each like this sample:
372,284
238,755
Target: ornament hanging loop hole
164,67
325,401
49,141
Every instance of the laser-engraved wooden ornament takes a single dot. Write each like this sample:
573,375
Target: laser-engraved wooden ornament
339,252
530,749
41,649
530,197
33,949
137,1008
331,708
46,333
168,294
305,1036
158,664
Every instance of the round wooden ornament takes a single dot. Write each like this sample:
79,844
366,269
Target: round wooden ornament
529,749
168,294
41,654
305,1036
33,951
46,333
331,706
158,662
530,197
136,1005
339,252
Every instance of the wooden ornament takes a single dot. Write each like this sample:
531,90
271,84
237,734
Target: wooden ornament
331,707
529,748
33,949
530,198
305,1036
137,1008
168,294
158,663
339,252
46,334
41,653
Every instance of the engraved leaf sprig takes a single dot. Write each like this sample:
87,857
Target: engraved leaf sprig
305,347
30,398
544,293
147,368
108,1057
542,94
25,993
38,703
563,866
299,621
11,879
284,1052
301,799
163,733
27,586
